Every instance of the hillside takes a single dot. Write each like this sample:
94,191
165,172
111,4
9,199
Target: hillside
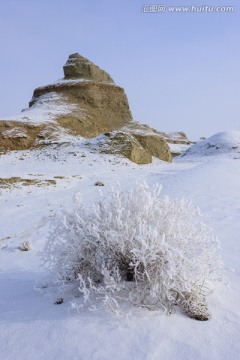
87,104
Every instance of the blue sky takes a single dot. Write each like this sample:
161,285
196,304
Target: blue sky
180,71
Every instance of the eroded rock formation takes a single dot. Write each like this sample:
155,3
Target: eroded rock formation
97,103
86,103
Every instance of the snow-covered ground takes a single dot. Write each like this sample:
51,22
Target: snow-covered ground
32,327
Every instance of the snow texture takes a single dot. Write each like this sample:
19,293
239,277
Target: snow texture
33,327
47,107
14,133
178,148
223,142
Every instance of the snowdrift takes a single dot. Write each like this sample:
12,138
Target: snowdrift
220,143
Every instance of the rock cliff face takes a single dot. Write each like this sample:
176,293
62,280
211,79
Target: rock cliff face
78,67
86,103
125,144
150,139
99,104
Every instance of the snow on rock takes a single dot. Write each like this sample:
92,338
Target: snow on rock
178,136
46,109
220,143
63,82
15,133
178,149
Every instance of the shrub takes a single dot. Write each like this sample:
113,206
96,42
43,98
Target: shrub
132,247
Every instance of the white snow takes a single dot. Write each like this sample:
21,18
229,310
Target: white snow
45,109
69,81
178,148
79,81
222,142
14,133
176,135
32,327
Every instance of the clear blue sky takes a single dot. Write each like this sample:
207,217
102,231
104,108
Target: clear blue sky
180,71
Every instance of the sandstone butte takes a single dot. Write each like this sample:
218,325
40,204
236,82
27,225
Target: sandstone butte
85,103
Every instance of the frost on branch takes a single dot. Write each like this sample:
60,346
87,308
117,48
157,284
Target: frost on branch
134,247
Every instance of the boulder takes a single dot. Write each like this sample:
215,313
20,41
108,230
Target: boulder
177,141
122,143
78,67
157,146
150,139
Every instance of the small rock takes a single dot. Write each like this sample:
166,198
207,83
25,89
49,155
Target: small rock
25,246
99,183
59,301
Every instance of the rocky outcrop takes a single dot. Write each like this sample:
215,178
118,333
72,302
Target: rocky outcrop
17,136
78,67
150,139
125,144
135,142
87,103
158,142
177,137
177,142
99,104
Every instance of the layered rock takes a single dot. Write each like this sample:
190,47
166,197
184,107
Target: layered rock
125,144
177,142
16,135
150,139
177,137
99,104
78,67
85,103
137,142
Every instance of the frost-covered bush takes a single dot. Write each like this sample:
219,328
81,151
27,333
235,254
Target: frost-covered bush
132,247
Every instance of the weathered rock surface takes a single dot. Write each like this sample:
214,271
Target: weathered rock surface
85,103
18,136
125,144
150,139
79,67
177,141
99,104
177,137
